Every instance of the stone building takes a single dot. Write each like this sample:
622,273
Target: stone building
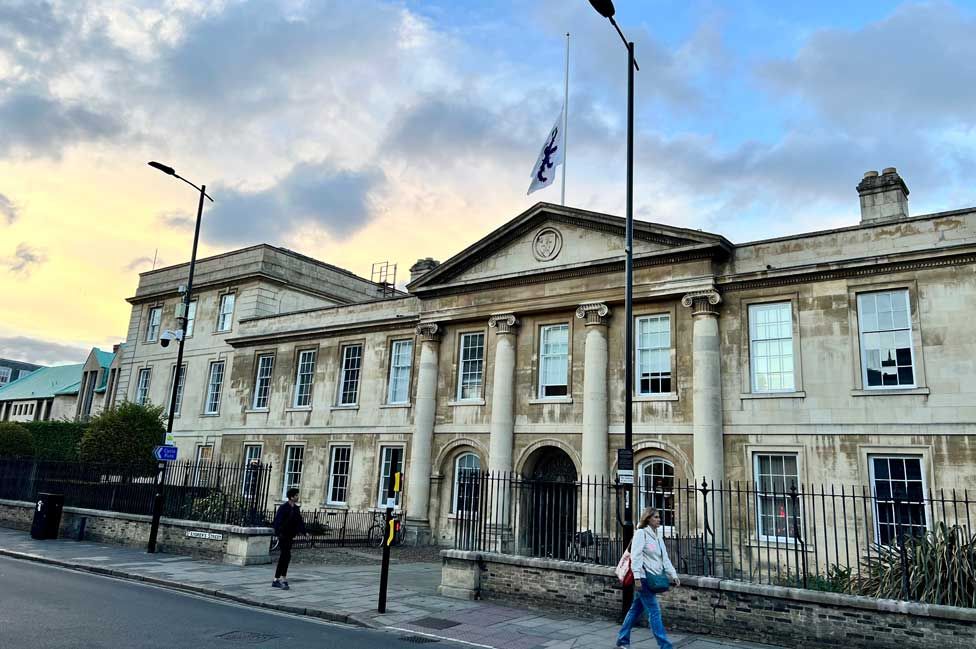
843,356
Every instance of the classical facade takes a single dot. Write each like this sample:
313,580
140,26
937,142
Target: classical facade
843,356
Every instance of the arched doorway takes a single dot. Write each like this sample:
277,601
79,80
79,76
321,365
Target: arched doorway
550,502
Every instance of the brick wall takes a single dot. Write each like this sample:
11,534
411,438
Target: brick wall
239,545
786,616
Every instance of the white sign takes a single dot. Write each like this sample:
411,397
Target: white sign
170,440
626,476
391,503
213,536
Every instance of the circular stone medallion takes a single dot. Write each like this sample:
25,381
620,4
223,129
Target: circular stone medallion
547,244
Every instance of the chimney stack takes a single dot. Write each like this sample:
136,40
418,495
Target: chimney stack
884,197
422,267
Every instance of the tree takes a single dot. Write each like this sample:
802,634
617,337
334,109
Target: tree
125,434
57,439
15,440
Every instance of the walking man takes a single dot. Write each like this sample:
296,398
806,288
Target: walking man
288,524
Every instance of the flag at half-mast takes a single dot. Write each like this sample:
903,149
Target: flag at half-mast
550,157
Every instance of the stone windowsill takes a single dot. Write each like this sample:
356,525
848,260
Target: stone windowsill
539,401
209,414
350,407
395,405
467,402
257,411
664,396
301,409
889,392
799,394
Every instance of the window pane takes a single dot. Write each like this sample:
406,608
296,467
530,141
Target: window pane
472,366
352,357
213,388
401,357
303,378
776,476
899,497
653,354
339,474
771,347
262,382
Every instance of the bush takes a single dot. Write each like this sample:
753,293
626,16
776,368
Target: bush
125,434
56,440
15,440
941,569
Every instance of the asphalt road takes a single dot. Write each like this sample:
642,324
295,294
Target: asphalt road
43,607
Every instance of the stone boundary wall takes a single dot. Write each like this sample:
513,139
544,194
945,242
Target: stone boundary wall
790,617
241,546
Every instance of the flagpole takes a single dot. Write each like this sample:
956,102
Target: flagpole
565,122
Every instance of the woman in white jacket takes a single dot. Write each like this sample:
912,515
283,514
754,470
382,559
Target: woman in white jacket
648,556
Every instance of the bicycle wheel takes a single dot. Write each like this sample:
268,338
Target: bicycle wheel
275,543
377,535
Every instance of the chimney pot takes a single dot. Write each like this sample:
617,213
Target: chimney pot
884,197
422,267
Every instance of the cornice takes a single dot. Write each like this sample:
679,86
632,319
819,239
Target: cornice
866,268
313,333
235,279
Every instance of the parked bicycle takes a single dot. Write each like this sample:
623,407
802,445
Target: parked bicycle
378,530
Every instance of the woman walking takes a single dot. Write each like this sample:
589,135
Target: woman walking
288,524
648,559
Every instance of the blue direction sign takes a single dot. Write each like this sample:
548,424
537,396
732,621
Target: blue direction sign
165,453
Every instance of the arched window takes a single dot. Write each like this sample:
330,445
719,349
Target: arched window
467,468
657,487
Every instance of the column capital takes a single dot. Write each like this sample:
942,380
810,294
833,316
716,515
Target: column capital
702,303
505,323
429,332
595,313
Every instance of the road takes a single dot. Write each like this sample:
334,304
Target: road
43,607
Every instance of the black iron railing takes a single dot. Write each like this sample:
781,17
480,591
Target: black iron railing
808,536
214,492
345,528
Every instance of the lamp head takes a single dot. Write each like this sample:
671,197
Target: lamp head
163,168
604,7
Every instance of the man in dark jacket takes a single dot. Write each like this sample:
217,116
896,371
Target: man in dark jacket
288,524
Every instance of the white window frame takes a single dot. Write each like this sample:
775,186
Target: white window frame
334,451
249,484
142,387
756,313
288,468
385,475
775,494
471,366
874,489
353,375
179,388
214,388
863,331
546,357
309,368
225,317
652,350
399,378
648,495
191,318
5,374
201,475
456,492
153,323
261,397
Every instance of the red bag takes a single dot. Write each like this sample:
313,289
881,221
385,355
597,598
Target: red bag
624,574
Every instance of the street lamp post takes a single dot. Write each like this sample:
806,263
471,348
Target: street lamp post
606,9
181,316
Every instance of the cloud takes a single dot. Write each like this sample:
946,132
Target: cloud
41,352
337,201
41,125
24,260
7,209
143,263
914,68
176,220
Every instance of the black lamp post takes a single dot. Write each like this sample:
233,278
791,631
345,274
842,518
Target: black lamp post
180,335
605,8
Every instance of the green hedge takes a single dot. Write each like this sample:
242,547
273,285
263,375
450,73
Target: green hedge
56,440
15,440
124,434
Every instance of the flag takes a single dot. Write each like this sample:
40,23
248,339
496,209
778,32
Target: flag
551,156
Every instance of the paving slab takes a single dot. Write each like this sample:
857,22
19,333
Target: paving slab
348,593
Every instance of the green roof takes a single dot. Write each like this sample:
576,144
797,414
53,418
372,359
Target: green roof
43,383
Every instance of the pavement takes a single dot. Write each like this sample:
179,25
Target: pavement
346,591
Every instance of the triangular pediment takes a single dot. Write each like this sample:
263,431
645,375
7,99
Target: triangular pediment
549,238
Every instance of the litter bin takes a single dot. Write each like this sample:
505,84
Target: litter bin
47,516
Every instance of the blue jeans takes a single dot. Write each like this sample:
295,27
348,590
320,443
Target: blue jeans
644,600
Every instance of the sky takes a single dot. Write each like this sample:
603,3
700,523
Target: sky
368,131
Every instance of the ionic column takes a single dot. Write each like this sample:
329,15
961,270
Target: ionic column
709,460
502,426
596,427
418,477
